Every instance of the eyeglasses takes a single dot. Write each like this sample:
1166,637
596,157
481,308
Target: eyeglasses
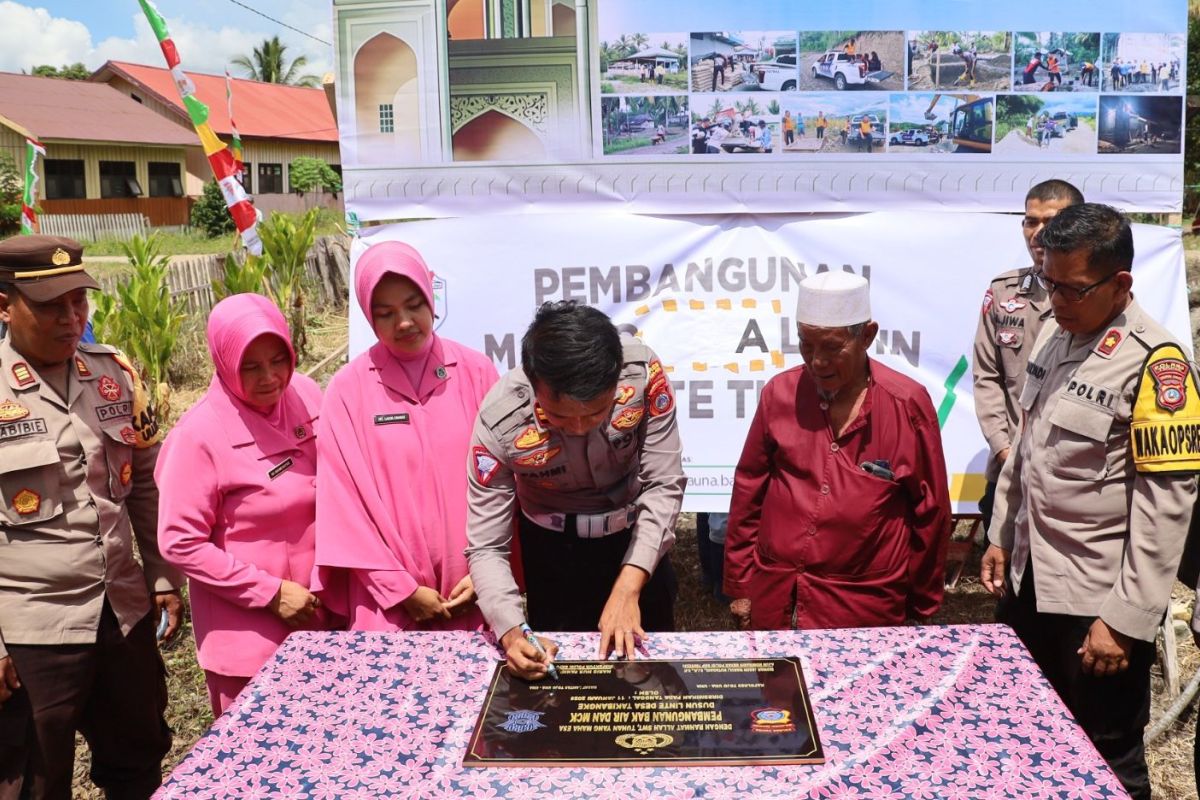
1071,293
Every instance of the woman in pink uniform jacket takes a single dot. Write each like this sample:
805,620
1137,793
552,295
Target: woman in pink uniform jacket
237,501
392,454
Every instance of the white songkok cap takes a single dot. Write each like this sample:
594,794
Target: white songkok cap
833,300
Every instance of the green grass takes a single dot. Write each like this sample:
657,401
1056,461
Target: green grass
625,144
195,243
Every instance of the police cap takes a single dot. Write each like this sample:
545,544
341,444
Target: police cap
43,267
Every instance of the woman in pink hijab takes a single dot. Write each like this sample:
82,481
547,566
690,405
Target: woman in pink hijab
392,450
237,501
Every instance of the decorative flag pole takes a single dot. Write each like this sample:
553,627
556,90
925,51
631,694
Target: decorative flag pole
223,163
236,145
33,149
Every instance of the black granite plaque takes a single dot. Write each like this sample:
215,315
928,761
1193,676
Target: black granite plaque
630,713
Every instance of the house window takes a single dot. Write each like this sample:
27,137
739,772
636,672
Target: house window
165,180
135,98
119,179
387,118
247,175
64,179
270,178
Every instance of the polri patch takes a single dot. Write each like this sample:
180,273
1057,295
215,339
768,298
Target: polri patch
538,459
485,464
1008,338
1012,305
1165,432
988,300
627,419
21,374
26,502
1092,394
625,394
391,419
129,435
114,411
280,468
109,389
11,411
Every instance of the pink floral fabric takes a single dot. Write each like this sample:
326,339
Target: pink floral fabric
932,713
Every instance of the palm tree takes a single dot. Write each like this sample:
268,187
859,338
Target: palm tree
268,64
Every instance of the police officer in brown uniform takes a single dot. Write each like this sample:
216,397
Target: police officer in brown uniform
577,450
1092,507
77,612
1014,308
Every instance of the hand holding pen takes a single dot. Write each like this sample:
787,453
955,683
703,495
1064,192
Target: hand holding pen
530,657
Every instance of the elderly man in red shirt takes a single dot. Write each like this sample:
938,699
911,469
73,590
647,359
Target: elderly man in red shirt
840,512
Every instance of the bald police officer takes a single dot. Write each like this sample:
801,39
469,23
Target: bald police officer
77,612
1092,507
1014,308
579,451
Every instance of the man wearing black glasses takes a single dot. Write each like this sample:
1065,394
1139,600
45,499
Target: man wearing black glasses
1014,308
1092,507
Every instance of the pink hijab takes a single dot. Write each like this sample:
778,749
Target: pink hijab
396,258
234,323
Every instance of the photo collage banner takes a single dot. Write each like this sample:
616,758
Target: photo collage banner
450,107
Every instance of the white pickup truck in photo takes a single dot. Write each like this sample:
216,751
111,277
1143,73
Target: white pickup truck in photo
846,70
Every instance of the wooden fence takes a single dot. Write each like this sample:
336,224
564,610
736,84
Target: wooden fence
190,279
92,227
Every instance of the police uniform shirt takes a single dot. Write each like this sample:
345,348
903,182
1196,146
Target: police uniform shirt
1099,489
517,460
76,476
1015,307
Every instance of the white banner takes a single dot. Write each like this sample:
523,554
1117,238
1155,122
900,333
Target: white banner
714,296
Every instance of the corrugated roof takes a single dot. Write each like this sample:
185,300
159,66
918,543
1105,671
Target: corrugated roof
268,110
54,108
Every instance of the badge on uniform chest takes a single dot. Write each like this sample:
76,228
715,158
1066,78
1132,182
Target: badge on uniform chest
280,468
392,419
109,389
10,411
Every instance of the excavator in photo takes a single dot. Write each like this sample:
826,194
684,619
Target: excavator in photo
971,120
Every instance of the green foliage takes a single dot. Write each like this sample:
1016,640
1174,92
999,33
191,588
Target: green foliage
1014,110
821,41
248,276
286,241
308,174
210,215
12,182
70,72
606,88
143,319
773,108
267,63
1082,47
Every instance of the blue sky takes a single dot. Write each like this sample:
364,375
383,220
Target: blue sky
208,32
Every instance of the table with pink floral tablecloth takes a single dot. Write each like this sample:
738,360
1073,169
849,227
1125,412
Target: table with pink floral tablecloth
929,713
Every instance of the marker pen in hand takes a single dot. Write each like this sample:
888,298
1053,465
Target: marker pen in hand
537,645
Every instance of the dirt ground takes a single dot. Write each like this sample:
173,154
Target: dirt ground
991,72
1080,140
1071,82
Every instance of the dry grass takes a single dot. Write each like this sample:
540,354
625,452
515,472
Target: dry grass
696,610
